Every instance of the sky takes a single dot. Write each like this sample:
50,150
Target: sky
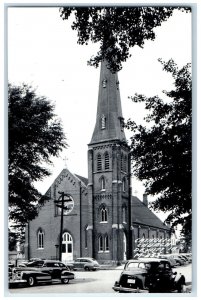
43,52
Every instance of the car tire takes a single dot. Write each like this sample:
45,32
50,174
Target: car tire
65,281
30,281
86,269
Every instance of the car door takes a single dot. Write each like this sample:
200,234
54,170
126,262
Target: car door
83,263
77,264
165,275
54,269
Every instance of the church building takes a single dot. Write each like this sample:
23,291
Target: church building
100,217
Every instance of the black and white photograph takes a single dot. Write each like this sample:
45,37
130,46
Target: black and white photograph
100,112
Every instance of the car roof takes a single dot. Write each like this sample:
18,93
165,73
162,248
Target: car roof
147,259
52,261
46,260
85,258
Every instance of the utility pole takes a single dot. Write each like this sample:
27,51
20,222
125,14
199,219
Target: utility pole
61,204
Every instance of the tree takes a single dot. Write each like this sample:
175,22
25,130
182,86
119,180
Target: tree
34,135
116,29
161,149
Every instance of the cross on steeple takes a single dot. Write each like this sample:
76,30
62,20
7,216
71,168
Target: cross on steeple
65,161
136,192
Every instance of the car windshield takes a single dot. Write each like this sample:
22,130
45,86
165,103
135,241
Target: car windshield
141,265
35,263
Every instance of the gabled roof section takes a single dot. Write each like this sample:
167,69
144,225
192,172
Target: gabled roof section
82,179
109,118
61,175
141,214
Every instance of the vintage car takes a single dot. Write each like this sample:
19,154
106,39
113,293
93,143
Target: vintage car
149,275
24,263
37,262
46,271
86,263
11,265
169,257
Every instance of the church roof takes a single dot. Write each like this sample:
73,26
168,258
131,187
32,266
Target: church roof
83,179
109,119
141,214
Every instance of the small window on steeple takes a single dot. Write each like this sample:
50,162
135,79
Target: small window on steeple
99,162
121,123
117,83
124,184
125,163
121,161
103,122
124,214
107,161
104,82
102,184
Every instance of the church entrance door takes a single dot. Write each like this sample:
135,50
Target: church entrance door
67,247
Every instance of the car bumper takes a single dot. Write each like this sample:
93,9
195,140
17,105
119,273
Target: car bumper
68,277
128,290
17,280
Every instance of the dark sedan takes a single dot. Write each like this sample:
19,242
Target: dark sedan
149,275
42,271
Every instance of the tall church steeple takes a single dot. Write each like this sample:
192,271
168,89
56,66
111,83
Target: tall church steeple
109,119
109,187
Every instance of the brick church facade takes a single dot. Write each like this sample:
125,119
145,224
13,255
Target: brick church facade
102,219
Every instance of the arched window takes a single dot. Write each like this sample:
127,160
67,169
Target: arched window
107,161
102,183
85,237
122,162
67,237
124,214
99,162
125,164
106,243
100,243
104,214
103,122
40,239
124,184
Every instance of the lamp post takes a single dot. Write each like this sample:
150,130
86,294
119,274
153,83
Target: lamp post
56,246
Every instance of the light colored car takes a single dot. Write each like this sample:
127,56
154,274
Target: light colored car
187,258
86,263
180,260
169,257
188,255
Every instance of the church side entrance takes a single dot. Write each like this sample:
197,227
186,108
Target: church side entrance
67,247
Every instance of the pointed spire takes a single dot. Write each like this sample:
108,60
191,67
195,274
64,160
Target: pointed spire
109,119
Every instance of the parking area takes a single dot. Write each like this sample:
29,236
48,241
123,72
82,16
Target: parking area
100,281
